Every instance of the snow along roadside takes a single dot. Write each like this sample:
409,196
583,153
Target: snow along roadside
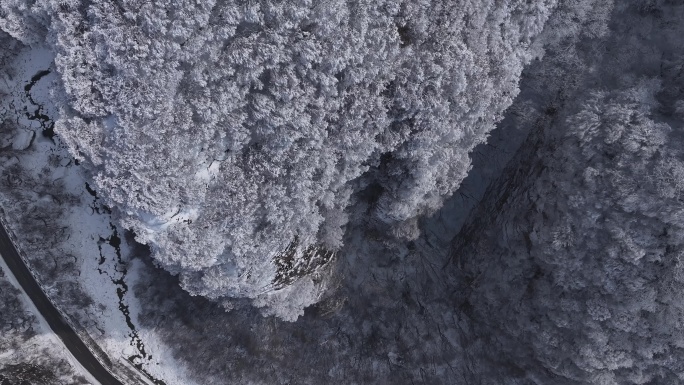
43,325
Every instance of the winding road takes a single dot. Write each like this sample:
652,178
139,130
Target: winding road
53,317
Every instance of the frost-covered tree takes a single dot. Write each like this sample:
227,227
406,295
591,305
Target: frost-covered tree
576,278
232,136
25,20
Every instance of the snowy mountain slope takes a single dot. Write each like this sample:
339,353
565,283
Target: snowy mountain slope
571,265
224,133
566,273
394,316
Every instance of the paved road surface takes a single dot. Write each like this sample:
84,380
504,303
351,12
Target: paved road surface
51,315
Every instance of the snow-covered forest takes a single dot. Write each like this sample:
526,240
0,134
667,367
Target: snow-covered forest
388,192
231,142
578,272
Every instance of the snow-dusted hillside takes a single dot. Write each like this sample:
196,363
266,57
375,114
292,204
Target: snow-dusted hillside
236,138
301,158
571,267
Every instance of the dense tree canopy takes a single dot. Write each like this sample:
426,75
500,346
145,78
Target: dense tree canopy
233,135
576,272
